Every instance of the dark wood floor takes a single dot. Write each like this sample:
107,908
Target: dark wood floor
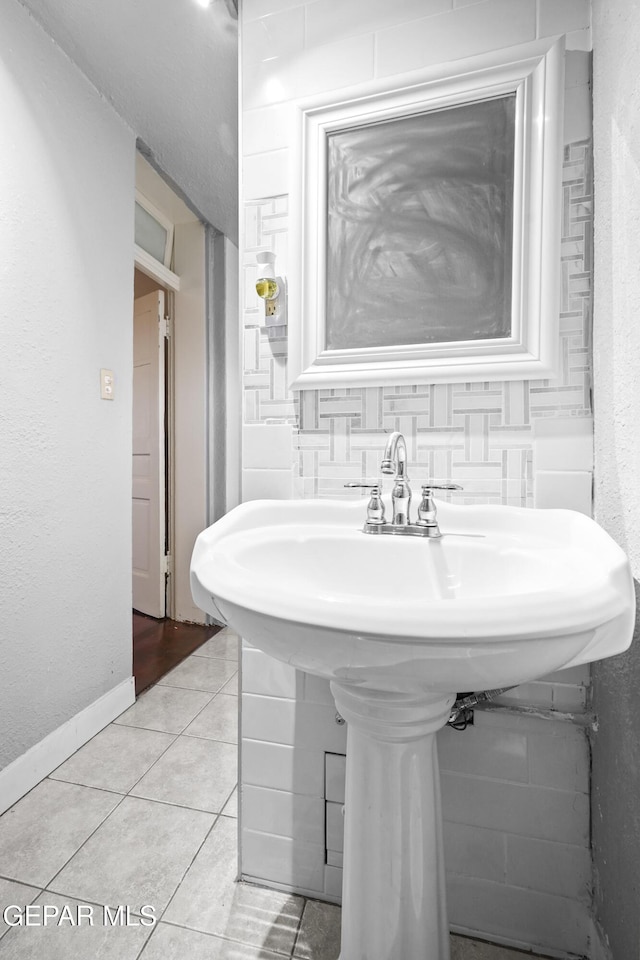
160,645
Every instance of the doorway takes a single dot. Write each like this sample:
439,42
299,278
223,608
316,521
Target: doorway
151,448
171,394
202,403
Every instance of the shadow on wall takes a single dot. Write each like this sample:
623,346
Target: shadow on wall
615,794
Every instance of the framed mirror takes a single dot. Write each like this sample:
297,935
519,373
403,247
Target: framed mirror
427,220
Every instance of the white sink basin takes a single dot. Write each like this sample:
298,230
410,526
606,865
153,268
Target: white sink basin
398,625
507,595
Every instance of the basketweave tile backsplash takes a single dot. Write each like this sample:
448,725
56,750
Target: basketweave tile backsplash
478,434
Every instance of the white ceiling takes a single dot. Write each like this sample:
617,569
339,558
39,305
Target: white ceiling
169,67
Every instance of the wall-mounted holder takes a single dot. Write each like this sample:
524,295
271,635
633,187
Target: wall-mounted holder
273,290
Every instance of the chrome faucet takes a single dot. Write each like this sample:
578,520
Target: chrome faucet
395,461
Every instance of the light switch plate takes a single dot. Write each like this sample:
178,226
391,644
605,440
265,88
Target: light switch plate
106,384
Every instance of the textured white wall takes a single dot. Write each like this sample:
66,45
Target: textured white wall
616,753
66,275
617,252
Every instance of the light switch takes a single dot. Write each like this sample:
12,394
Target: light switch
106,384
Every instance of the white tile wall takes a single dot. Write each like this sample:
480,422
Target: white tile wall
560,868
577,113
335,859
525,809
267,445
269,484
459,33
518,916
335,828
330,20
514,785
475,852
283,767
266,128
577,73
292,722
566,17
269,718
485,751
265,174
579,40
550,694
297,865
567,489
264,675
252,9
284,814
326,67
333,883
276,35
335,769
559,758
563,444
317,690
554,756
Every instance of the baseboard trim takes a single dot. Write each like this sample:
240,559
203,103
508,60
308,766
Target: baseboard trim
287,888
40,760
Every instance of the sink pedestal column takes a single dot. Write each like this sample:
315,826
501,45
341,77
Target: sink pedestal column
393,889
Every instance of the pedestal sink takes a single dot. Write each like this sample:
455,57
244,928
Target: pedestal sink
398,625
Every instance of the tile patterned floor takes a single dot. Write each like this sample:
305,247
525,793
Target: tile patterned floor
145,814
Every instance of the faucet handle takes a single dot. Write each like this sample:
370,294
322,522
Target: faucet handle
427,511
426,487
375,507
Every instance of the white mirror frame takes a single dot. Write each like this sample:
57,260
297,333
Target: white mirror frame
535,73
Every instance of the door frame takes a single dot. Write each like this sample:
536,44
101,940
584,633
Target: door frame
167,432
204,386
154,594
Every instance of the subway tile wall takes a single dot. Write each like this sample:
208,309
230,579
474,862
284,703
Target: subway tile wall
515,792
516,784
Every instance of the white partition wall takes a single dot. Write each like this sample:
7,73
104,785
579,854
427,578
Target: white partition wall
66,238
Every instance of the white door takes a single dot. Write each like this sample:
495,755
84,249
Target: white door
149,576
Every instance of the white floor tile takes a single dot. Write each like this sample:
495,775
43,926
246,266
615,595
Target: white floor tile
210,901
14,894
77,941
193,773
218,720
224,646
231,806
176,943
168,709
115,759
137,857
231,686
201,673
319,934
44,829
